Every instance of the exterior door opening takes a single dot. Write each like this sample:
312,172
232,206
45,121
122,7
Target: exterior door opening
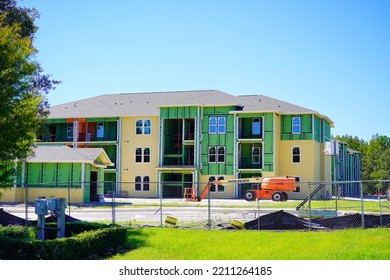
93,186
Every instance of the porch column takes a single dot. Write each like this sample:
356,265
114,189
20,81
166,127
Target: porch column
83,176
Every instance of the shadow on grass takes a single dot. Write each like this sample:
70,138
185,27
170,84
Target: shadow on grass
136,238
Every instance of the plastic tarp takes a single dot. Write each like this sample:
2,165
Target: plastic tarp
355,221
281,220
9,219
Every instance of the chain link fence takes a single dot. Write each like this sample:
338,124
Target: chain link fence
313,205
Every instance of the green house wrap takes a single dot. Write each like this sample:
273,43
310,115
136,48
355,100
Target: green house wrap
58,167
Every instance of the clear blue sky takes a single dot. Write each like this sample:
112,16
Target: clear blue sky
332,56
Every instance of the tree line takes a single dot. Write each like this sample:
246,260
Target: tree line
375,155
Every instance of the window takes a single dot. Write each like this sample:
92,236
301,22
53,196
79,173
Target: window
221,154
221,125
213,125
142,183
296,155
214,187
146,184
217,154
296,125
100,130
212,154
146,154
256,158
217,125
142,154
147,127
221,188
138,126
138,184
69,131
142,126
138,154
256,128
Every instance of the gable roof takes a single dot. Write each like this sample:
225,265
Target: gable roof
256,103
65,154
138,104
262,103
148,104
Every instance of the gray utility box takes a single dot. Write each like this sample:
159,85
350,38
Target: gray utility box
57,206
40,207
53,204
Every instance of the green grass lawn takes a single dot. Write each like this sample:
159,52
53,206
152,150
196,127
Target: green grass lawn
186,244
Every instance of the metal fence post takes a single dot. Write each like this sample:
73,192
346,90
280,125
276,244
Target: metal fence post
379,202
209,205
69,220
337,196
362,202
309,201
258,208
113,201
26,208
161,203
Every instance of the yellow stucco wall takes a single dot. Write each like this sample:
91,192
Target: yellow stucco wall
269,174
19,194
314,166
129,168
309,168
11,195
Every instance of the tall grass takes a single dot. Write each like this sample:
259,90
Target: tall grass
185,244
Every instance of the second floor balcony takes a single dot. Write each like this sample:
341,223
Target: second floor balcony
81,132
250,163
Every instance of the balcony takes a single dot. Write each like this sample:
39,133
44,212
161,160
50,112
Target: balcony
250,129
249,163
83,132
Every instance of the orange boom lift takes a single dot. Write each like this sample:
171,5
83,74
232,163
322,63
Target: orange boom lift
274,188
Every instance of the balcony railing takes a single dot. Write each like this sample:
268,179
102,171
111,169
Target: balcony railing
247,163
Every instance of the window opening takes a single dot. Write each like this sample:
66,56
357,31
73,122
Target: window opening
256,129
296,155
296,125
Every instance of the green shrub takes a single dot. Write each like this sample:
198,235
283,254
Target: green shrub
72,228
94,243
84,245
19,232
